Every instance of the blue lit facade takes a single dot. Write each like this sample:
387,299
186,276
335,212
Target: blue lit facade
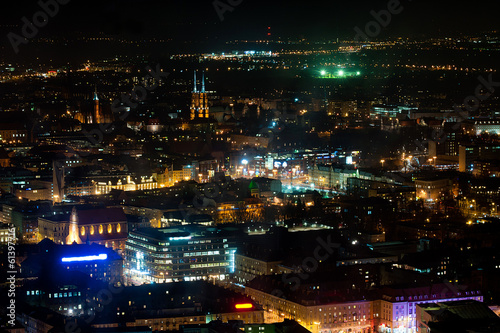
171,255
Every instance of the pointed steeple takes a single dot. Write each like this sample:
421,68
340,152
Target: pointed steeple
96,98
203,83
195,89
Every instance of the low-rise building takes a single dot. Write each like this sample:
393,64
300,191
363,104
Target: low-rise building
246,267
456,316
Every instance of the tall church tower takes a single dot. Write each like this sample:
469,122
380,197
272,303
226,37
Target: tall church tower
199,100
73,235
99,117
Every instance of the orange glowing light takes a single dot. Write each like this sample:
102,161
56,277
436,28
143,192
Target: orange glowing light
244,306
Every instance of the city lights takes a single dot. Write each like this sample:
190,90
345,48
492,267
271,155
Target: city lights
317,174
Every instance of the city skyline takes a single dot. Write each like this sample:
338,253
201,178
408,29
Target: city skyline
234,166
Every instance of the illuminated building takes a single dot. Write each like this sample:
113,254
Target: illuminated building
324,318
125,184
171,306
105,267
253,187
96,261
34,193
486,168
62,277
94,114
170,177
391,310
80,188
73,232
250,209
323,176
154,126
5,235
342,108
12,133
206,169
99,118
481,126
105,226
392,111
396,311
176,254
199,100
66,298
305,198
473,152
431,190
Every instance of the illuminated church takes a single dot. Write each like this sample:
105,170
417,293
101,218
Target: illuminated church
199,100
95,116
105,226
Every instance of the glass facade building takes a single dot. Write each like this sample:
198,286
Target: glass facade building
175,254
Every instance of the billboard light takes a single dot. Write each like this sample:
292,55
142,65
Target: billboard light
240,306
102,256
179,238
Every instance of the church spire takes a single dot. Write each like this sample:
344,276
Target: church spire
195,89
96,98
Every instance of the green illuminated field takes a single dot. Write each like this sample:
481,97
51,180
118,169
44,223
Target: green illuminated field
336,74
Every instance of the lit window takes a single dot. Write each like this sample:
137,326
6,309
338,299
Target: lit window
91,229
110,229
118,228
101,229
82,231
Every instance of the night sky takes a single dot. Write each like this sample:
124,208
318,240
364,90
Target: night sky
295,19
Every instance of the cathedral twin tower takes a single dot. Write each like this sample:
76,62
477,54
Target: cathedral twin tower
199,100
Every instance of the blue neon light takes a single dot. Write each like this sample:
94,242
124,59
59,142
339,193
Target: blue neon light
101,256
179,238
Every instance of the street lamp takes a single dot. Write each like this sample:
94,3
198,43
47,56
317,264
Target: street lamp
382,162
